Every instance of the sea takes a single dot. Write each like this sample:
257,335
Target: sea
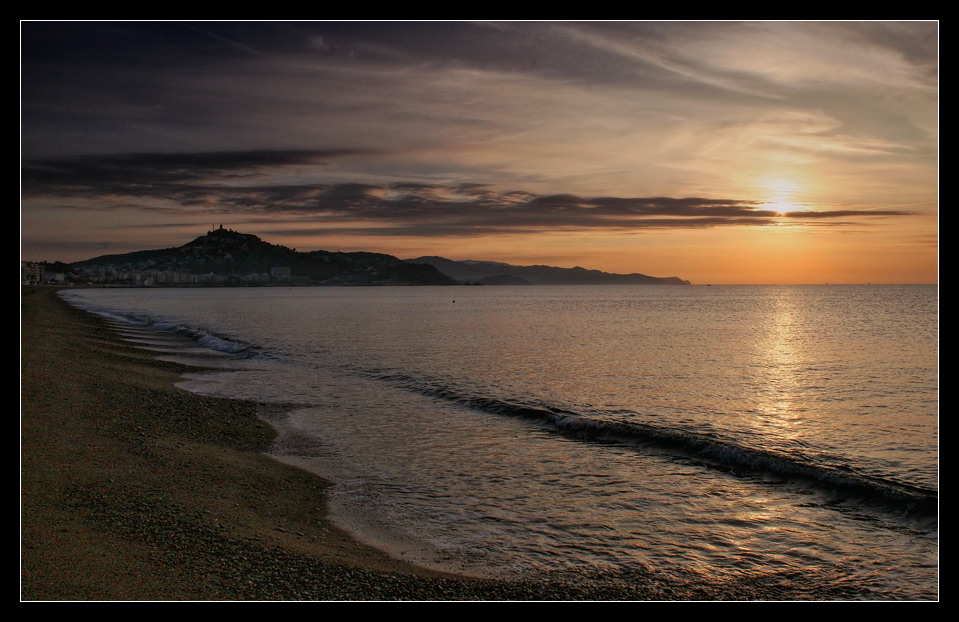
743,434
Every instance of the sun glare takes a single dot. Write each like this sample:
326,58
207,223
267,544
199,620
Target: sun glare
781,194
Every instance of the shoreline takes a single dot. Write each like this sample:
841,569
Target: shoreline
133,489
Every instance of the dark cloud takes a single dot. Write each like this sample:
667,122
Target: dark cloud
148,173
205,182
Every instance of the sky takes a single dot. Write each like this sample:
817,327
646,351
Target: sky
718,152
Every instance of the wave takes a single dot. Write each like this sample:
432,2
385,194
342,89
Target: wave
205,338
700,447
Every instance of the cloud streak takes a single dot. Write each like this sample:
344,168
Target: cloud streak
220,183
128,171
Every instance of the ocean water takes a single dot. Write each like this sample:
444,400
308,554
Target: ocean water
737,433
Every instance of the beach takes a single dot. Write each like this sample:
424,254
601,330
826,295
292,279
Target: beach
132,489
135,488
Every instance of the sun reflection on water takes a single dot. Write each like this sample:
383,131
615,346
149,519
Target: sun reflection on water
780,398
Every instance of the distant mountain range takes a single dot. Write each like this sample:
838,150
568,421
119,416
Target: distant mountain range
496,273
227,257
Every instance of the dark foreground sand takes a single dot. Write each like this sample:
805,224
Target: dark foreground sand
132,489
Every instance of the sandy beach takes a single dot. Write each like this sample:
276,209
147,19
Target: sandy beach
132,489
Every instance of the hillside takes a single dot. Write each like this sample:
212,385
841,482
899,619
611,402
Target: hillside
223,256
493,273
227,257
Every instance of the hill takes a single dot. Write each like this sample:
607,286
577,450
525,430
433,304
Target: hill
228,257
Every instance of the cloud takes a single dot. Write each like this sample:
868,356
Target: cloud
231,183
137,173
676,108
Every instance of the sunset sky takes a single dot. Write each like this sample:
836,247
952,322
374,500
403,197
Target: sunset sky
719,152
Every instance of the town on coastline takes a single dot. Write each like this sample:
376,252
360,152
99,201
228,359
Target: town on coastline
224,257
44,273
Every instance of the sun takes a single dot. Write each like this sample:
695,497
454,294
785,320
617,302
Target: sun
781,194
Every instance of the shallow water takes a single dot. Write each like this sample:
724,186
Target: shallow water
736,431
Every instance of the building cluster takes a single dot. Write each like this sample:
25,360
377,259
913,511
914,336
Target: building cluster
36,273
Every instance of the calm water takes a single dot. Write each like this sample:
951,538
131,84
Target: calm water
735,432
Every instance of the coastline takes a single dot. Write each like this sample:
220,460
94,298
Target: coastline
133,489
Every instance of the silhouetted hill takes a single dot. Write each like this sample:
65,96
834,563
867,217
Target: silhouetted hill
492,272
230,257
